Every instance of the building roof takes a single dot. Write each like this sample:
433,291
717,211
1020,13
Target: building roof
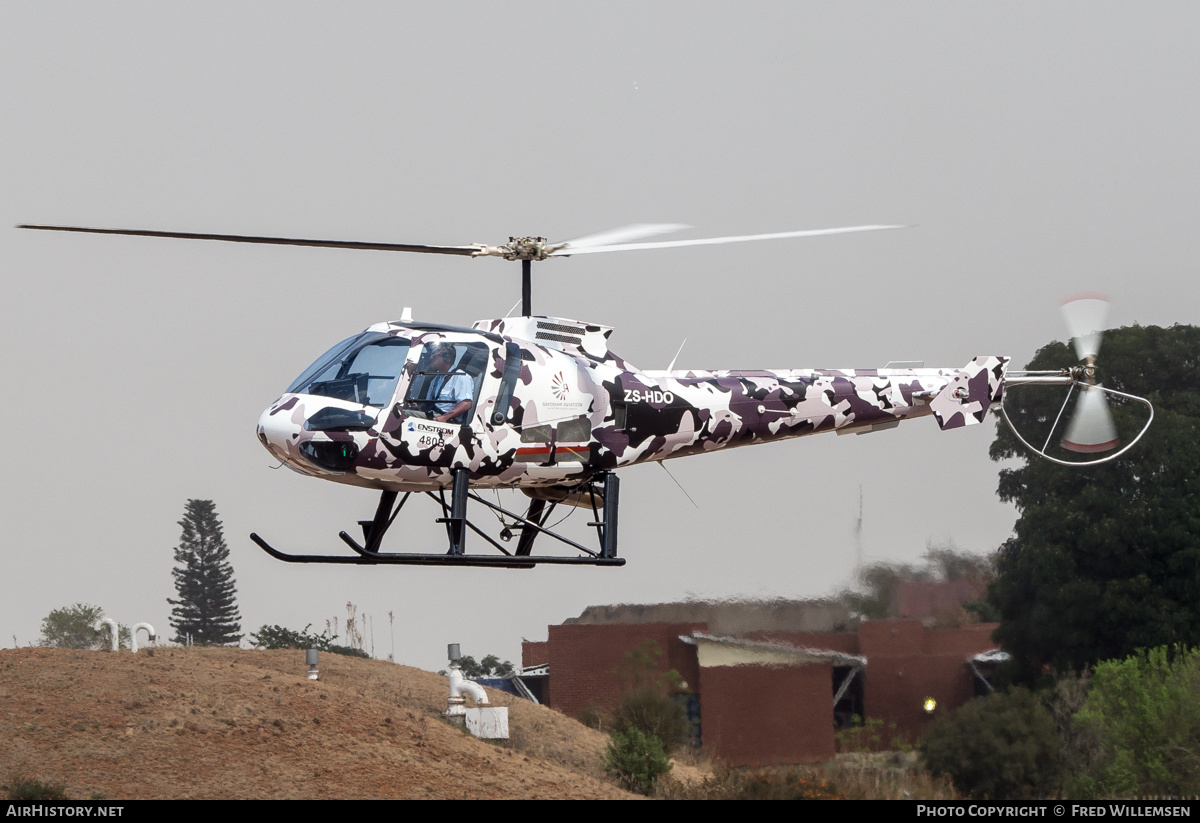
718,650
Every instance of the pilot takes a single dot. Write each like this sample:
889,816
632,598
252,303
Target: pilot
454,392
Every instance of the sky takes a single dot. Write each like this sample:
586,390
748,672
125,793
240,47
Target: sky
1036,149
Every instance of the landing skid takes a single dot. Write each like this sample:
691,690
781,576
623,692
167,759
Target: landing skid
532,524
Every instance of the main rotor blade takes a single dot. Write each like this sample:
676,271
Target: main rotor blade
273,241
1084,315
625,234
714,241
1091,429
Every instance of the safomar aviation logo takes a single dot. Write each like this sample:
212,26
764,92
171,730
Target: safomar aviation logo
560,387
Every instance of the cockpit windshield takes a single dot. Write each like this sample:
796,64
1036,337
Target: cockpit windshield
361,369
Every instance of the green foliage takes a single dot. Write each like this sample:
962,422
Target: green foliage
1080,745
641,667
490,666
648,704
1105,560
207,606
26,789
636,759
871,735
1000,747
654,714
73,627
1144,716
349,651
279,637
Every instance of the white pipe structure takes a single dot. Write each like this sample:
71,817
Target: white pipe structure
112,630
459,686
149,632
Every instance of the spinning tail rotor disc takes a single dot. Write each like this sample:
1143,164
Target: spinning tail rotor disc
1090,429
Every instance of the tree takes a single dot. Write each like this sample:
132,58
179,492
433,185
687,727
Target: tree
637,760
490,666
1105,560
207,606
1000,747
73,627
1143,714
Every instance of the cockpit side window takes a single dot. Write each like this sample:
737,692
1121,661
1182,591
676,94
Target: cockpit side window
447,381
366,371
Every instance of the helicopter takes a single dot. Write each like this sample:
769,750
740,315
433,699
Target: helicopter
540,404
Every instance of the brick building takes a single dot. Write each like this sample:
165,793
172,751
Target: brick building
764,691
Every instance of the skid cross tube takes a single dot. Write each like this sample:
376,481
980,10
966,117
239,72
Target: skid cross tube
454,517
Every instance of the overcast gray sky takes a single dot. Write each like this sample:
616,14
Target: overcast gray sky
1039,148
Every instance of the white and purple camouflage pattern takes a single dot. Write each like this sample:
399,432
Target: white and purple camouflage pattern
575,409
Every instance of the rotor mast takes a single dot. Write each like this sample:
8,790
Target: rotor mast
527,288
527,250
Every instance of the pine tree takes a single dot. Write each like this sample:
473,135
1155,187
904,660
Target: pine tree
207,605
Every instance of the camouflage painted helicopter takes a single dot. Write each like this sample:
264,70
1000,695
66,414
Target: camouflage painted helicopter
542,405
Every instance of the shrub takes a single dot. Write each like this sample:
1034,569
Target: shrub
1000,747
279,637
1144,717
72,627
654,714
636,759
871,735
648,704
25,789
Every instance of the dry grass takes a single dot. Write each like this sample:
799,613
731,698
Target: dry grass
230,723
886,776
880,776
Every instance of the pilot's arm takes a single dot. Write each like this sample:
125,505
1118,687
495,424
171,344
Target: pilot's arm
461,408
461,391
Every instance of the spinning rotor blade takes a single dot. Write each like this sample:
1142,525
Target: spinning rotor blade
714,241
624,234
1084,315
273,241
1091,429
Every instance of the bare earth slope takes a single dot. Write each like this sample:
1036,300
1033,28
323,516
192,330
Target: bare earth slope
231,723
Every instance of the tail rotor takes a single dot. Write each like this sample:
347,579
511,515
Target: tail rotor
1090,429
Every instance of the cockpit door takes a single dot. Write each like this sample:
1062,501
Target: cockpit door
437,401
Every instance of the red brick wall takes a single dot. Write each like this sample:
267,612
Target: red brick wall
965,641
896,686
586,660
907,663
535,652
758,715
890,637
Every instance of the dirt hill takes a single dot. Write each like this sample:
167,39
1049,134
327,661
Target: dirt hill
232,723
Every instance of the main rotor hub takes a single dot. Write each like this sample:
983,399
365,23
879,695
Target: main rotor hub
526,248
